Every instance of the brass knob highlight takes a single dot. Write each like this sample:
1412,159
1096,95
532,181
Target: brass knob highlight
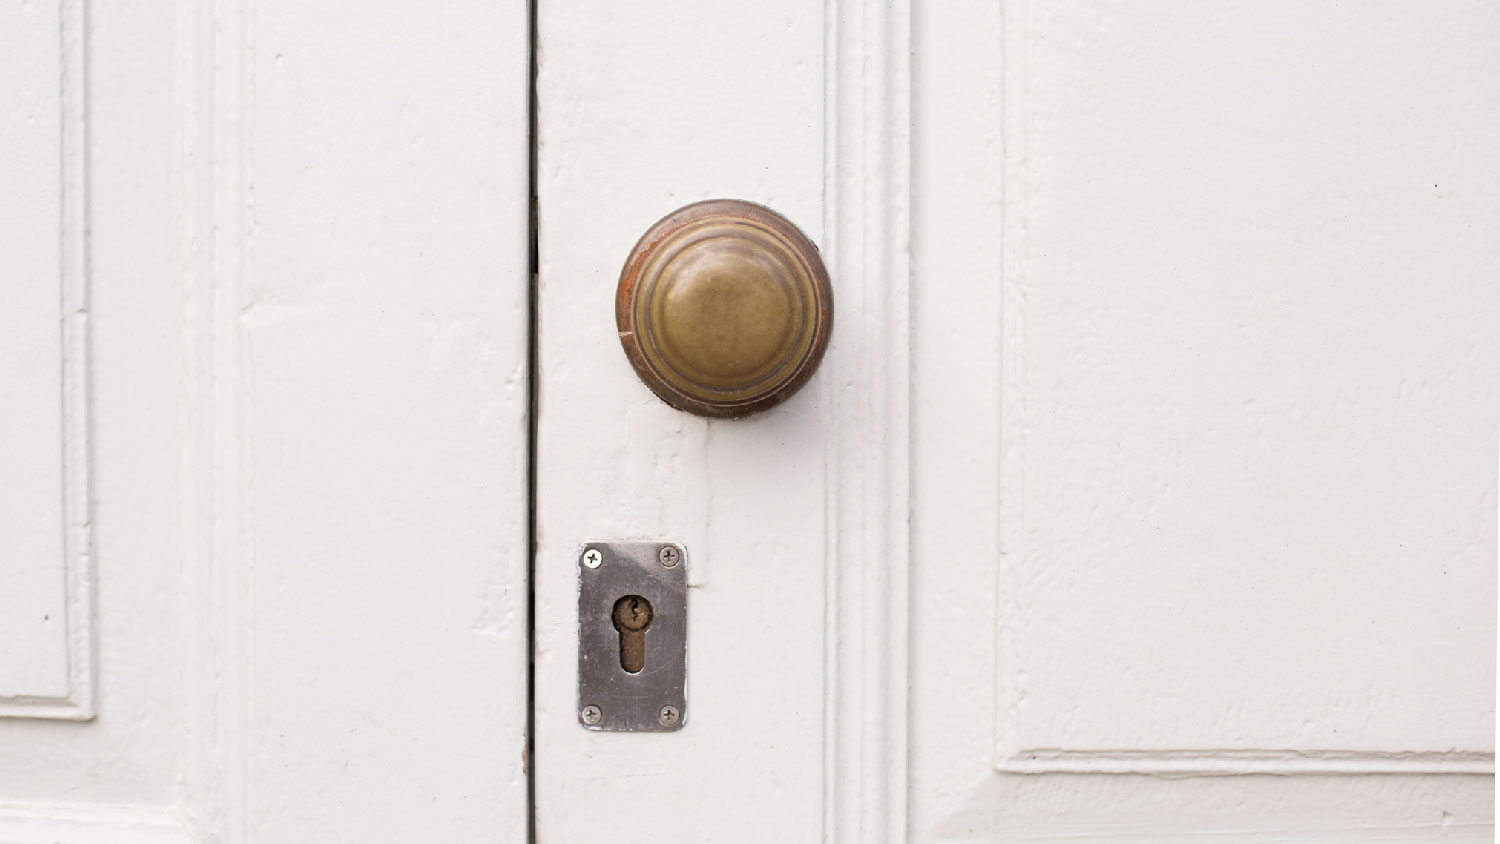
724,308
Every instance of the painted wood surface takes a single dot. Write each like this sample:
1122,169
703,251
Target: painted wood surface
1147,490
120,193
46,605
307,275
1215,276
644,109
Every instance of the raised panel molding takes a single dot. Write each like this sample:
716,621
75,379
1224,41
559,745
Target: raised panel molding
867,96
1221,761
215,57
46,420
1015,750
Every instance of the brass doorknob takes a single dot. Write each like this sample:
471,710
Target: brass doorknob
724,308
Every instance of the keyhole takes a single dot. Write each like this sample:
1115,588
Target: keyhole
632,616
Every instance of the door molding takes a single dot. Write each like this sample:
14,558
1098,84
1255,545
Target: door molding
77,565
216,56
867,164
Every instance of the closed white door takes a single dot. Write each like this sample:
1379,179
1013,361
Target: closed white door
1205,549
263,344
1146,490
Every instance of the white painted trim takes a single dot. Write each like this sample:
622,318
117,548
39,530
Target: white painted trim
866,390
1273,832
90,826
77,509
214,98
1013,290
1219,762
1012,755
78,704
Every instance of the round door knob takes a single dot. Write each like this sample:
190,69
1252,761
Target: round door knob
724,308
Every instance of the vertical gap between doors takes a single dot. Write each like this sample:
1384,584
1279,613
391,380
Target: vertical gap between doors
533,342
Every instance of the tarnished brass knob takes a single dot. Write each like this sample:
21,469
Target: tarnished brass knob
724,308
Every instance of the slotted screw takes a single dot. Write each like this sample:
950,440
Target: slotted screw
591,715
669,716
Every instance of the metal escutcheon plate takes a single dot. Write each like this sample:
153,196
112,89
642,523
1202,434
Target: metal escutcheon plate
652,698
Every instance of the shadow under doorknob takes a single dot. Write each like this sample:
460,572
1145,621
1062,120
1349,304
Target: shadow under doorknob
724,308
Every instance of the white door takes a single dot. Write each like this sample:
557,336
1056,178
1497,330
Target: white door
1146,490
263,344
1227,572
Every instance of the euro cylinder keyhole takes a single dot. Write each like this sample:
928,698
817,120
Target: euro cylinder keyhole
632,617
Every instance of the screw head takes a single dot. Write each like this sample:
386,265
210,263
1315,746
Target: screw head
590,715
669,555
669,716
592,558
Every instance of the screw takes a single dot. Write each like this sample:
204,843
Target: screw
592,558
591,715
669,716
669,555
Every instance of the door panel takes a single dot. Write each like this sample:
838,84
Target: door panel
1281,483
1239,516
44,611
102,170
305,421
